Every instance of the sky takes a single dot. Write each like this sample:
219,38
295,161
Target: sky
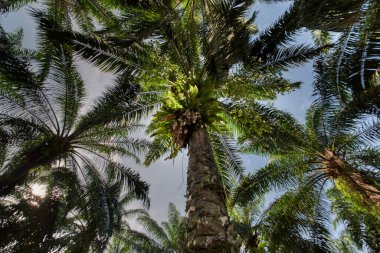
167,178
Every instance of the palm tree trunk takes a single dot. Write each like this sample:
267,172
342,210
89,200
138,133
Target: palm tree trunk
19,173
13,178
358,183
352,179
209,228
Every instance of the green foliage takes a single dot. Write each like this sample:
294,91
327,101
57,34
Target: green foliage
307,153
338,121
362,226
46,127
347,72
321,38
344,244
197,50
330,15
71,217
227,159
299,153
15,69
10,5
167,237
300,214
356,199
252,84
214,87
197,59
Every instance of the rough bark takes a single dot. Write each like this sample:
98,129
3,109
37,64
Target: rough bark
209,228
341,170
360,184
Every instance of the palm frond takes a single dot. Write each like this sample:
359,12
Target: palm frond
140,242
130,179
153,229
361,226
330,15
10,5
225,36
287,57
298,215
68,86
227,158
157,148
110,54
281,32
267,130
254,84
279,174
15,70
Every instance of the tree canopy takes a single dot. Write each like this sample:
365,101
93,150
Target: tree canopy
206,77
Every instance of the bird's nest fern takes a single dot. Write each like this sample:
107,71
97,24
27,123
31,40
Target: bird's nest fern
187,105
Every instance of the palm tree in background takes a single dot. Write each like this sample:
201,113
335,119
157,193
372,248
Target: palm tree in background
169,237
101,210
347,83
348,71
262,226
14,70
72,216
327,149
42,122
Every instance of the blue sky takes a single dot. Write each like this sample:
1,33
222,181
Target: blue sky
168,178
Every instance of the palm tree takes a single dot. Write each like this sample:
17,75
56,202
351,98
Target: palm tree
299,214
100,211
197,108
344,244
73,216
349,71
45,128
208,55
167,238
346,83
15,70
324,156
327,148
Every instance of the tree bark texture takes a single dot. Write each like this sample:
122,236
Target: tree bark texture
353,178
357,182
209,228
